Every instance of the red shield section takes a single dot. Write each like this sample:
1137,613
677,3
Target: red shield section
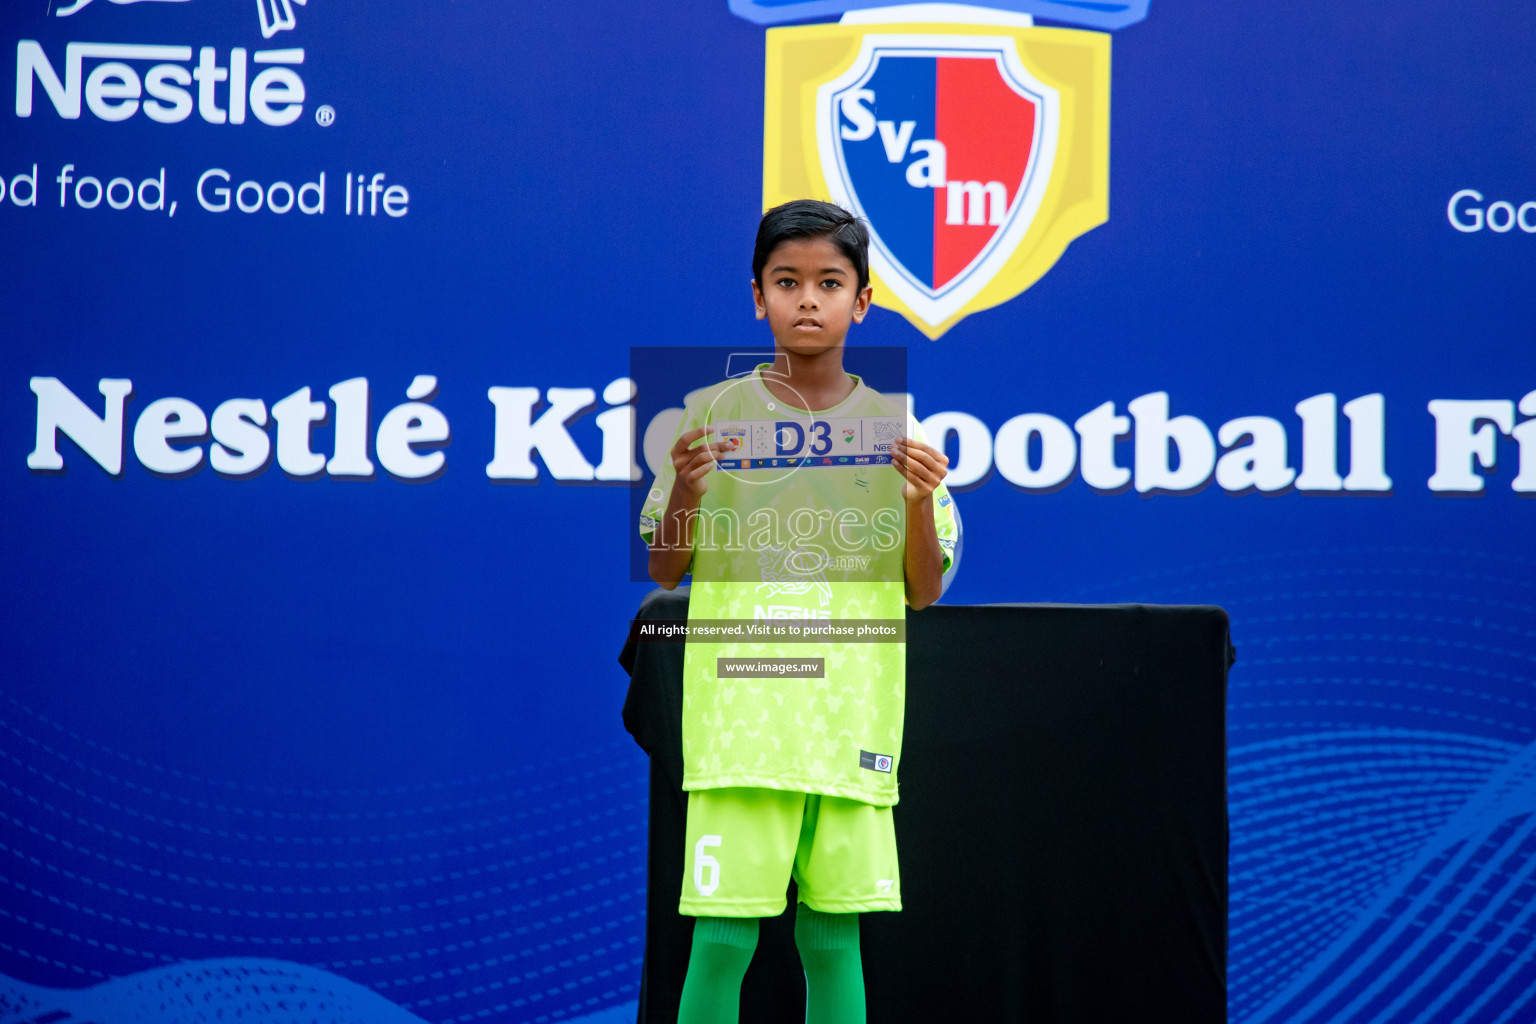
988,130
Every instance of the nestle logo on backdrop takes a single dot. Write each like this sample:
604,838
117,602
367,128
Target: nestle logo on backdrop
118,80
274,16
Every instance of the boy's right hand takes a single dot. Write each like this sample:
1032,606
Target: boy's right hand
692,465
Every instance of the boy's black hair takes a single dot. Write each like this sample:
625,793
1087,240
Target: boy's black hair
812,218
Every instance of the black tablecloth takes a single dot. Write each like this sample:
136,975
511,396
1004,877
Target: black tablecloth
1062,826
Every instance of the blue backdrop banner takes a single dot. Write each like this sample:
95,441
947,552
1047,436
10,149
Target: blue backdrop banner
319,440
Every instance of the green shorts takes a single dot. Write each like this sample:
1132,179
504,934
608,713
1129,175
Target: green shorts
745,843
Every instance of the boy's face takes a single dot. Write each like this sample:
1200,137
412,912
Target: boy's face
809,295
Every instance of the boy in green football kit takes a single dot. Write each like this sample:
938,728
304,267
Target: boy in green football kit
794,775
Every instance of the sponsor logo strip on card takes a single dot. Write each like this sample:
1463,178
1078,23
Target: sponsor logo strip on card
809,442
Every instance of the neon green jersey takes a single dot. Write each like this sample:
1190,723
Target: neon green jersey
802,522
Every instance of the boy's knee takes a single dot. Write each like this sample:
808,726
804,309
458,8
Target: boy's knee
825,935
726,932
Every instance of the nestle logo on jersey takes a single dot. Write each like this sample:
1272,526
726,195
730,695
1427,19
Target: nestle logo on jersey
789,612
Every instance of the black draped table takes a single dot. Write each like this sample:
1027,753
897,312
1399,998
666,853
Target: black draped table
1062,826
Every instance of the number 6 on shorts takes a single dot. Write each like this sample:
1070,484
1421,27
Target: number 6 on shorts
702,860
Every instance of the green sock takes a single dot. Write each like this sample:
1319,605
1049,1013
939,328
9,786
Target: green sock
834,971
722,949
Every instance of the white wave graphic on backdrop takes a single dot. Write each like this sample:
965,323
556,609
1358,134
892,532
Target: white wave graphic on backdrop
1437,927
516,894
209,991
272,991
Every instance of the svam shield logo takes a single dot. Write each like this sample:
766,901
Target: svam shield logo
975,158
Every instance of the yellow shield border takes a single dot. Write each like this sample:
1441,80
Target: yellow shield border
1074,62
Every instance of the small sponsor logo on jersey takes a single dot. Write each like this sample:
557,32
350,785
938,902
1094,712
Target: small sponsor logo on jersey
883,886
875,762
945,500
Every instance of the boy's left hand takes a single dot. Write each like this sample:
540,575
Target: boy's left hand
923,467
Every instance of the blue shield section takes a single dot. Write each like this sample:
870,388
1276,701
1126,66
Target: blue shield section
1108,16
900,214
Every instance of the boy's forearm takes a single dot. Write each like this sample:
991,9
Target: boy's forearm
924,559
672,541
